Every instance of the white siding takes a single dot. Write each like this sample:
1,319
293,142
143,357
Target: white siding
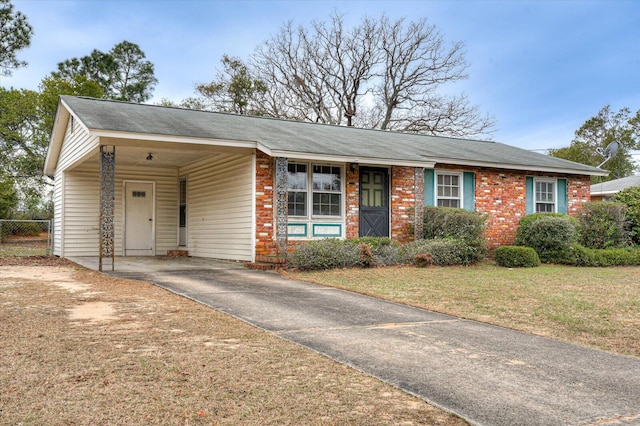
82,208
81,213
220,207
57,213
77,144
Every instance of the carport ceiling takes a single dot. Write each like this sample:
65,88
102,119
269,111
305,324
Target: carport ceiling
168,154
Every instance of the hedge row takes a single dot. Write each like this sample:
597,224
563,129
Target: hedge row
577,255
335,253
557,238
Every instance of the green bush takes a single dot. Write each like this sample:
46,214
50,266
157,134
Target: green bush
602,225
326,254
547,234
516,257
444,252
374,242
631,197
578,255
527,220
460,224
388,255
335,253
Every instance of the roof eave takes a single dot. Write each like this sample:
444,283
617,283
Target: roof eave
346,158
525,167
57,137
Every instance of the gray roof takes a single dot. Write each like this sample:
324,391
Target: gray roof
284,136
613,186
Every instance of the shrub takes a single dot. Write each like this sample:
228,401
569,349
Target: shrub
516,257
326,254
526,221
602,225
335,253
631,198
366,256
423,260
547,234
444,252
578,255
387,255
460,224
374,242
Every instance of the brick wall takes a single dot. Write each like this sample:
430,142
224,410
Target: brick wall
501,194
352,202
402,203
265,172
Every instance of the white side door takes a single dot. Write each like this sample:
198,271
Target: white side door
138,219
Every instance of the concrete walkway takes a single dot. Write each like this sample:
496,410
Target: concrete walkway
487,375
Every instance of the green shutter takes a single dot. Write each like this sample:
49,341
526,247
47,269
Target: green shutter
562,196
469,191
429,187
530,196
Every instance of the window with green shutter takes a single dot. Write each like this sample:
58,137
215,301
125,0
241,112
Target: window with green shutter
449,189
546,195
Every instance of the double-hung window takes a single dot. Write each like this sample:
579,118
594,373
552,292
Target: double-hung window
297,187
327,190
545,196
449,189
319,191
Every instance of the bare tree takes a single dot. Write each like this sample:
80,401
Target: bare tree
318,75
379,74
416,63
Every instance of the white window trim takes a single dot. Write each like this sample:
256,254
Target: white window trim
460,197
306,190
554,192
310,191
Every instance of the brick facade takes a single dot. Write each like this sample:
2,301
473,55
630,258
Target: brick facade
501,194
403,186
265,201
352,201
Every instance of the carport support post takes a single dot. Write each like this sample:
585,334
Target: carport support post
107,203
282,172
418,196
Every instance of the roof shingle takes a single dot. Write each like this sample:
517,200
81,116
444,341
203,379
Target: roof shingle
285,136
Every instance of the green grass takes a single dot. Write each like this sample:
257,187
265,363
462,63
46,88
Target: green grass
598,307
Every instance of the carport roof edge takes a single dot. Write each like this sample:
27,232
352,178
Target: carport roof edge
299,139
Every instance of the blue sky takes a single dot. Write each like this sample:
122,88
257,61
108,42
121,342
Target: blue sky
541,68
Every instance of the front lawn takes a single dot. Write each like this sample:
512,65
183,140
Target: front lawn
598,307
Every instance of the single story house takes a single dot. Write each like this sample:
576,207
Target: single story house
605,190
134,179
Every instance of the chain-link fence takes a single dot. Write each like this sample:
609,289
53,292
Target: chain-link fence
26,237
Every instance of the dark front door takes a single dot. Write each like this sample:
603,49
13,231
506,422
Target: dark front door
374,202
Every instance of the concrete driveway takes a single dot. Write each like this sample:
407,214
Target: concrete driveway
487,375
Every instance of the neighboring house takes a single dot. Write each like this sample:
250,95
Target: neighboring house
605,190
134,179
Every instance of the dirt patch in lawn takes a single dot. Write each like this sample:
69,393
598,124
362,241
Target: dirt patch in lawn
82,348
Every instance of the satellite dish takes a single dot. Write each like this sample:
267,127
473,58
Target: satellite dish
609,152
